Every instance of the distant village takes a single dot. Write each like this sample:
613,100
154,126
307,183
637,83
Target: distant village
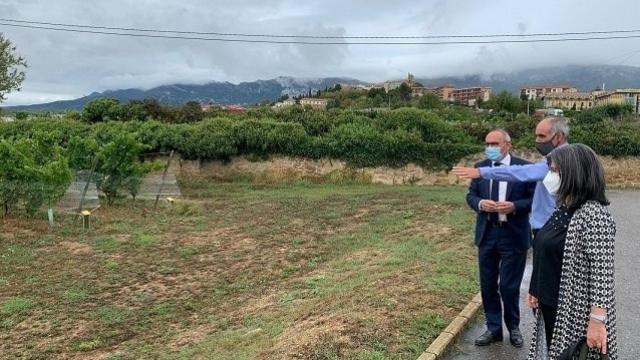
554,96
469,96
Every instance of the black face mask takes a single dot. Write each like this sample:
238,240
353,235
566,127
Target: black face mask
545,148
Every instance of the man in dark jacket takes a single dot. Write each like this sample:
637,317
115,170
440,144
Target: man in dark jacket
503,236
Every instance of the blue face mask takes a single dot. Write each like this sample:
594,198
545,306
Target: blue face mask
493,153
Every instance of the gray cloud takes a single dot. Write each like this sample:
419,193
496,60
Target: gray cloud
65,65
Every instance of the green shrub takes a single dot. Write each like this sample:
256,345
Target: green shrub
33,173
431,127
609,138
402,147
211,139
360,145
264,137
102,109
444,156
119,167
81,152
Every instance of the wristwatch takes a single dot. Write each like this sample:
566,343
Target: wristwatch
601,318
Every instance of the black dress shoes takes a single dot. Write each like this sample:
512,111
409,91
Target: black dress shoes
515,337
487,338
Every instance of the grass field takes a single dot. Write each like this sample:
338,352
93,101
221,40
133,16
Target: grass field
241,271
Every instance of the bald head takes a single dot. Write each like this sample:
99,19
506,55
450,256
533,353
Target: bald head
500,133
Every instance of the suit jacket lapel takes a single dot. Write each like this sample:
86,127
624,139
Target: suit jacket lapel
487,189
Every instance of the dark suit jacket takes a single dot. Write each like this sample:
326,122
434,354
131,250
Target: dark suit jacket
520,193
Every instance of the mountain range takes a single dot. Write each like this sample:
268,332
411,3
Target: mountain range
245,93
584,77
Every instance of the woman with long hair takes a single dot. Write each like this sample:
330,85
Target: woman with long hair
572,284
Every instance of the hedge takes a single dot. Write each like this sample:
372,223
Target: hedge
430,138
394,138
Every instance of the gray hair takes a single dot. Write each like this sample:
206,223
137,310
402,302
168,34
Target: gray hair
505,134
559,124
581,173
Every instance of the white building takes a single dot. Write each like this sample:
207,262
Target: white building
314,102
285,103
535,92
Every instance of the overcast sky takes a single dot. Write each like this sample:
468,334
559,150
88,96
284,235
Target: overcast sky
69,65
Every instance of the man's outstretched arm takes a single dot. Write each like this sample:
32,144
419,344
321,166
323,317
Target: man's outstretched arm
516,173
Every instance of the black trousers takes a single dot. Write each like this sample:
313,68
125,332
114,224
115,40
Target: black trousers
549,313
501,269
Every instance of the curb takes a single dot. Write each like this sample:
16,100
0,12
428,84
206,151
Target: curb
451,332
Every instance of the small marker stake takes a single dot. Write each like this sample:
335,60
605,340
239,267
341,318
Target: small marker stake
50,215
85,218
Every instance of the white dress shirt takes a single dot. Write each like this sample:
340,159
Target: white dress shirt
502,190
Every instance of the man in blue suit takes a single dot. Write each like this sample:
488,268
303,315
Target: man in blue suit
503,236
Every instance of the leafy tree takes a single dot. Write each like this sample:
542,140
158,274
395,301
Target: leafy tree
81,152
283,98
22,115
50,173
49,182
11,68
14,174
32,172
191,112
333,103
615,111
119,166
404,91
214,111
134,110
429,101
102,109
505,101
375,92
57,176
154,109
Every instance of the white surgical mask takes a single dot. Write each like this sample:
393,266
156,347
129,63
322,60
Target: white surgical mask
552,182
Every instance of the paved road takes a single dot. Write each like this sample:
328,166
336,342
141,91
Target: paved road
625,206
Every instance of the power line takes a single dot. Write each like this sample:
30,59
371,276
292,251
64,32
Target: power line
303,42
600,32
632,55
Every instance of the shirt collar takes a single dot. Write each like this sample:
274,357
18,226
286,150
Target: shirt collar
506,161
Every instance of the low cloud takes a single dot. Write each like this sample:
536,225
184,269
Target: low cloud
64,65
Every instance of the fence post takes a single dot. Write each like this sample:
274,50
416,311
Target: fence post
164,175
86,187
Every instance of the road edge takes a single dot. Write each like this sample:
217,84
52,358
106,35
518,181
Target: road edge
440,345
